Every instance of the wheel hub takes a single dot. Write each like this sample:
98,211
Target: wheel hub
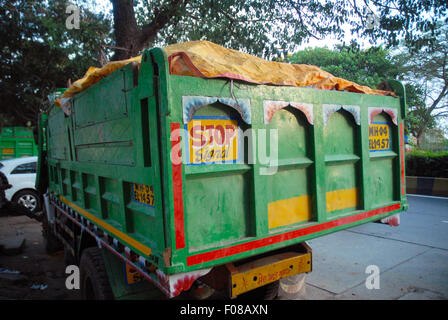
28,201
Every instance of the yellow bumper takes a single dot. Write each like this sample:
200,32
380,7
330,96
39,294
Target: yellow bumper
254,275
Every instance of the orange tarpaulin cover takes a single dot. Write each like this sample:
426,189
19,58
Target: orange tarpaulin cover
208,60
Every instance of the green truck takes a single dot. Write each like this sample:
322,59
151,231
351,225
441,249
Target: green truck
157,183
17,142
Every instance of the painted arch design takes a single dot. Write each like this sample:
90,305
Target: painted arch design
392,113
270,107
329,109
190,104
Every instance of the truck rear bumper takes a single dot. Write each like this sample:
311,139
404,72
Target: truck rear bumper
245,275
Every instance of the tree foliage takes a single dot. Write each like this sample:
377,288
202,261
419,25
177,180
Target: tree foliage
368,67
38,54
269,28
427,71
423,74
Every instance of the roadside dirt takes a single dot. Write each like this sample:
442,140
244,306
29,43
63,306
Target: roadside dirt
36,267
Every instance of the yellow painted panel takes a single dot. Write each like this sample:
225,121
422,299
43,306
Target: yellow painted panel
289,211
255,277
342,199
132,275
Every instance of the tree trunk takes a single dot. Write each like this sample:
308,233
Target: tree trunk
419,137
130,39
126,30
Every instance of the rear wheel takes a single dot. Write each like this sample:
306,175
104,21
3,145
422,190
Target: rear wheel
94,280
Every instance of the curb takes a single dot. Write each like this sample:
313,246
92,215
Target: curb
427,186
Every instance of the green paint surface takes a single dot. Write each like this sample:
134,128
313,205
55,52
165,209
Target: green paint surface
119,134
17,142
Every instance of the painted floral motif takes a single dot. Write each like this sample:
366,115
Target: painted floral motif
329,109
270,107
191,104
393,114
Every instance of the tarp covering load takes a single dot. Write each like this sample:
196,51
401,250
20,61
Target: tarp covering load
92,76
208,60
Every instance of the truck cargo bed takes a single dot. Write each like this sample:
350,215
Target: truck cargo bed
188,173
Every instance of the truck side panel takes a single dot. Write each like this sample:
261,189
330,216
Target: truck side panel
96,163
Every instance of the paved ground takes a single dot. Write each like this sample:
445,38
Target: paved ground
35,266
412,258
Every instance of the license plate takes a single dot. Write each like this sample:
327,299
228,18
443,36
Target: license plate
8,151
143,194
284,265
379,137
132,275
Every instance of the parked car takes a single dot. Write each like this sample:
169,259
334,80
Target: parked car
21,174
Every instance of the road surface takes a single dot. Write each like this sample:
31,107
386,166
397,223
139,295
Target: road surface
412,259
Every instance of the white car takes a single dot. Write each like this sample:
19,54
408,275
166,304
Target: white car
21,174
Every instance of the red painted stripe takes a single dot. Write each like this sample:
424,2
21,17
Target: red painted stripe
179,226
243,247
402,159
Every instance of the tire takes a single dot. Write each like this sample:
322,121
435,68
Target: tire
29,199
267,292
94,279
52,243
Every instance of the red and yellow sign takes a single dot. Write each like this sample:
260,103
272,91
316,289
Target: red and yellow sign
212,140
